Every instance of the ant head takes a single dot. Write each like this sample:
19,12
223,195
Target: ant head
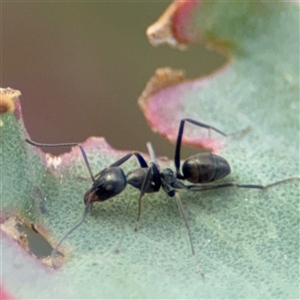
111,182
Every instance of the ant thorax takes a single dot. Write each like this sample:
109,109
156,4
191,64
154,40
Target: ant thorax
168,176
136,178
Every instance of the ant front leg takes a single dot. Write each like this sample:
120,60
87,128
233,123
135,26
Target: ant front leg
140,158
151,183
179,140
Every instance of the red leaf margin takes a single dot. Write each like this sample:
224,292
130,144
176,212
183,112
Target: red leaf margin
4,295
173,26
162,103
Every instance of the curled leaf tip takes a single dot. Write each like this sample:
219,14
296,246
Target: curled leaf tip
162,103
163,78
7,99
172,27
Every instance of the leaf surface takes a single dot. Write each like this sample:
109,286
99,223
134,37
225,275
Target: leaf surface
246,240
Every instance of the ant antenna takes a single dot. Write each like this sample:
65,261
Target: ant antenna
50,145
65,145
84,216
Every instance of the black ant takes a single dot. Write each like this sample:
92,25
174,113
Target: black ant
201,169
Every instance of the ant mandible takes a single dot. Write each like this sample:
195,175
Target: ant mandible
201,169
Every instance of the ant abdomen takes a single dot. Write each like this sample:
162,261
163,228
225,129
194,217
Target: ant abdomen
205,168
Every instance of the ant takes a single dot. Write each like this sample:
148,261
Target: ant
201,170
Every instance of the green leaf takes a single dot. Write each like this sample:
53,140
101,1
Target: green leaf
246,240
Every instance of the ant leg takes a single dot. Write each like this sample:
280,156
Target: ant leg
154,167
86,211
264,187
122,160
139,157
156,180
179,139
156,177
205,187
181,210
180,206
64,145
142,193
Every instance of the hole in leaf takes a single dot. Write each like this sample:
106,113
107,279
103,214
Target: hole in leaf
28,238
38,245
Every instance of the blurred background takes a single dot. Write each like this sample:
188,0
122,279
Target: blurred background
82,66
